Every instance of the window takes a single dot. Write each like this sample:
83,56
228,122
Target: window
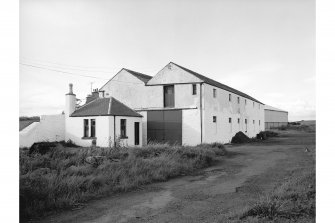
245,101
194,89
214,119
259,106
214,93
253,121
92,127
123,128
229,120
229,97
86,128
253,104
238,100
169,96
238,121
259,122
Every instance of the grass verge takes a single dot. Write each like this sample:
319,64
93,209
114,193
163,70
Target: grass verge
63,177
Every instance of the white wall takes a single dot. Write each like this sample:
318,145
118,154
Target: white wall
50,128
130,130
191,129
75,130
126,88
223,109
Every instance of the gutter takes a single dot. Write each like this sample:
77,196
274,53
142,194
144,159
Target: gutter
114,133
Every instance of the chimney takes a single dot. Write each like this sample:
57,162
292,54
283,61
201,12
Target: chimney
101,94
70,102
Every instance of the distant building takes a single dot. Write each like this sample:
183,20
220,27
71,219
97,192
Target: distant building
274,117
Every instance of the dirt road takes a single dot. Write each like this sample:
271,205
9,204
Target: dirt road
210,195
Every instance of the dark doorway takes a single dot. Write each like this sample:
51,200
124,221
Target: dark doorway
137,133
169,96
165,126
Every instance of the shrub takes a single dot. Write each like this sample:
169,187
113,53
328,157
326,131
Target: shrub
240,137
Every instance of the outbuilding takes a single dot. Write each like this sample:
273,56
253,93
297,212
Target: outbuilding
105,120
274,117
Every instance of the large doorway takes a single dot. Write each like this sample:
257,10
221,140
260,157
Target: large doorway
165,126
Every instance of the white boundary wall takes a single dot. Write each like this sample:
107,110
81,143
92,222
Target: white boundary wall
50,128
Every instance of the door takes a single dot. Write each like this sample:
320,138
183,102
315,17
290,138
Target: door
137,133
165,126
169,96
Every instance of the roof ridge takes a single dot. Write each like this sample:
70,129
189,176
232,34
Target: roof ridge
88,103
203,78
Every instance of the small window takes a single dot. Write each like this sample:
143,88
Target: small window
92,127
229,97
245,101
214,93
253,122
123,128
238,120
86,128
214,119
246,121
253,104
238,100
229,120
194,89
259,122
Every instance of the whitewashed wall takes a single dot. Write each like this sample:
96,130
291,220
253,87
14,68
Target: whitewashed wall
223,109
75,130
126,88
50,128
275,116
130,131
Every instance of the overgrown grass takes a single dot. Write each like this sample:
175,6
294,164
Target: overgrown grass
294,200
62,178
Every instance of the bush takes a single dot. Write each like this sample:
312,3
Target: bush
240,137
56,177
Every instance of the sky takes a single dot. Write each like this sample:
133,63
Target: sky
265,48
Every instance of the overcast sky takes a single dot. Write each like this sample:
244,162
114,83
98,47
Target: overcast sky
265,48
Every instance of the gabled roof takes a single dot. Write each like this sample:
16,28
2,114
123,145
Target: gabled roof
104,107
143,77
217,84
268,107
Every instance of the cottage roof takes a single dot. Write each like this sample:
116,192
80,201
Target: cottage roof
217,84
105,107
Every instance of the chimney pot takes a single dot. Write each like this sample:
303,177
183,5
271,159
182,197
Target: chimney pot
70,88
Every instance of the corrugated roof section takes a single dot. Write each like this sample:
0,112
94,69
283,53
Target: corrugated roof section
217,84
268,107
104,107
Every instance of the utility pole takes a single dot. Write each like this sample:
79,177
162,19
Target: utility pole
91,85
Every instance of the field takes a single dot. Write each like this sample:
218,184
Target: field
261,181
63,177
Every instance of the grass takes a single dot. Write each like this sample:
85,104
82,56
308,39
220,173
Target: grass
62,178
292,201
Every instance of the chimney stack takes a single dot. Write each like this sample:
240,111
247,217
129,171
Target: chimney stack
70,102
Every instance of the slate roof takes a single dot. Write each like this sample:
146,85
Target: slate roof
268,107
143,77
217,84
104,107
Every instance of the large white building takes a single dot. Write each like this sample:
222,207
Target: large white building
181,106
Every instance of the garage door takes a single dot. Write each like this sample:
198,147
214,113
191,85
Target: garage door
165,126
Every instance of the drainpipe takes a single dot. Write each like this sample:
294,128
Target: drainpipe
114,133
201,112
